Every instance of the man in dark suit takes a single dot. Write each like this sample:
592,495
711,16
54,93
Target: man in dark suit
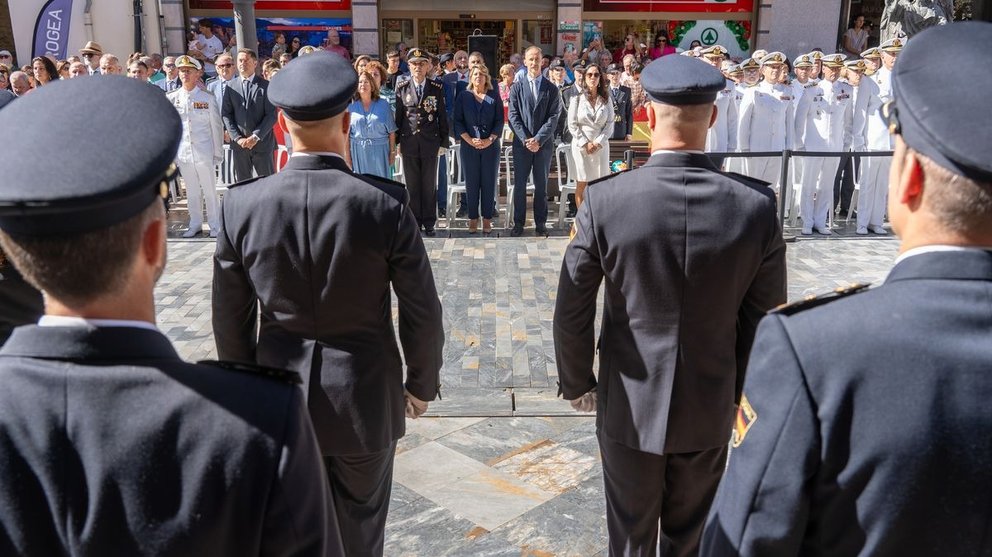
623,108
882,447
535,107
249,118
316,249
422,136
690,268
110,444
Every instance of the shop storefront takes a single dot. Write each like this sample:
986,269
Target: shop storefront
728,23
308,21
445,25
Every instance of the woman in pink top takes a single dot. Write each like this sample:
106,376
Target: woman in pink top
661,47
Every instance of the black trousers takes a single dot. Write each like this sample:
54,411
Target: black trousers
259,159
420,173
360,486
844,182
646,490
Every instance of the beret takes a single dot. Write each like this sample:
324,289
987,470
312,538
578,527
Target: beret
314,87
954,134
681,80
111,170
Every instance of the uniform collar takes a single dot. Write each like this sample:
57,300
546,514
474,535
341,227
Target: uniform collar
664,157
316,161
107,344
943,262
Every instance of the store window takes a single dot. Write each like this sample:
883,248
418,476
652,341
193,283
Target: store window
449,35
537,32
872,10
396,31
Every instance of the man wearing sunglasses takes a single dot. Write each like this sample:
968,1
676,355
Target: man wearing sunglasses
881,447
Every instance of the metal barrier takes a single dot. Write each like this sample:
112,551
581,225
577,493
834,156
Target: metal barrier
786,156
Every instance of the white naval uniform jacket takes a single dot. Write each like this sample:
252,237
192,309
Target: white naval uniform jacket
866,106
203,130
766,118
824,117
722,137
877,131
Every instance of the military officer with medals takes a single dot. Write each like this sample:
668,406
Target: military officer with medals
767,119
201,148
722,136
750,76
422,137
676,330
873,60
110,444
849,166
317,251
871,438
824,118
623,109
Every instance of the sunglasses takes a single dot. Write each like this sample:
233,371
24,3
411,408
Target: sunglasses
168,65
296,40
224,65
592,74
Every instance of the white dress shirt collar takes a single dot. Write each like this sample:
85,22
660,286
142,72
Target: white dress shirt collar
66,321
316,154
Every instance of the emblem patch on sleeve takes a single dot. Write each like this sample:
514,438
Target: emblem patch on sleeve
745,419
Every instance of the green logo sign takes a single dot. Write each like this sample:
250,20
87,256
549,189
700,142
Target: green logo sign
709,36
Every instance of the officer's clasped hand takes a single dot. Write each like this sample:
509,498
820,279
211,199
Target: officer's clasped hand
585,403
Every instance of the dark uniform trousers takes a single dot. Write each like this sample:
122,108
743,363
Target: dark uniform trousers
319,251
684,290
422,123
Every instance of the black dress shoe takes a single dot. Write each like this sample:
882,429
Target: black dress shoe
541,231
461,213
430,232
517,231
442,213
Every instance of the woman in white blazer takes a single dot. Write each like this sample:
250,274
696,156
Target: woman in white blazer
590,121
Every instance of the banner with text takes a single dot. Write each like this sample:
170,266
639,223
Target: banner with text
51,31
671,6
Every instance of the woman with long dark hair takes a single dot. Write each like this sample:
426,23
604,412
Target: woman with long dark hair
44,71
590,121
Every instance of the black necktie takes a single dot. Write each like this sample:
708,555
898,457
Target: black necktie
247,86
420,92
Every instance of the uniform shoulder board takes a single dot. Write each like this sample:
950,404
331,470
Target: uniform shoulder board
211,80
283,375
608,177
244,182
816,300
392,188
744,178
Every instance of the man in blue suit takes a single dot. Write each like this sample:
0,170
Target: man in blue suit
882,448
535,106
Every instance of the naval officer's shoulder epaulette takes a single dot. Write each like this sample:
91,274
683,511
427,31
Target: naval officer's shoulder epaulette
608,177
244,182
816,300
276,374
392,188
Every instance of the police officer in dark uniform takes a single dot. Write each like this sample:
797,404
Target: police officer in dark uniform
690,268
316,248
882,447
623,108
422,136
109,443
568,92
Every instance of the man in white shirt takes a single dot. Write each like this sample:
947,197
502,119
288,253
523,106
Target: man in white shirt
766,120
206,47
722,136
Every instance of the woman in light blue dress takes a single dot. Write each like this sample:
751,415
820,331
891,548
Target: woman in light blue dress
373,130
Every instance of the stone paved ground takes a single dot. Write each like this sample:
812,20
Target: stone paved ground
500,466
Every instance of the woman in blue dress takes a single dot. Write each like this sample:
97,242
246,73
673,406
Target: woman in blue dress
373,131
478,120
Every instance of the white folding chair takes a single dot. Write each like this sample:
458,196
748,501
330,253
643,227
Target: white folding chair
282,157
565,187
225,170
398,170
456,181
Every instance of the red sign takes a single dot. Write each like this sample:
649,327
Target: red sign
691,6
314,5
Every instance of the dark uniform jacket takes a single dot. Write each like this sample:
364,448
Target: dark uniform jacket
112,445
423,123
869,437
567,92
623,113
692,260
316,249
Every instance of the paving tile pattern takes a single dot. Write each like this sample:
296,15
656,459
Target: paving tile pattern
500,467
